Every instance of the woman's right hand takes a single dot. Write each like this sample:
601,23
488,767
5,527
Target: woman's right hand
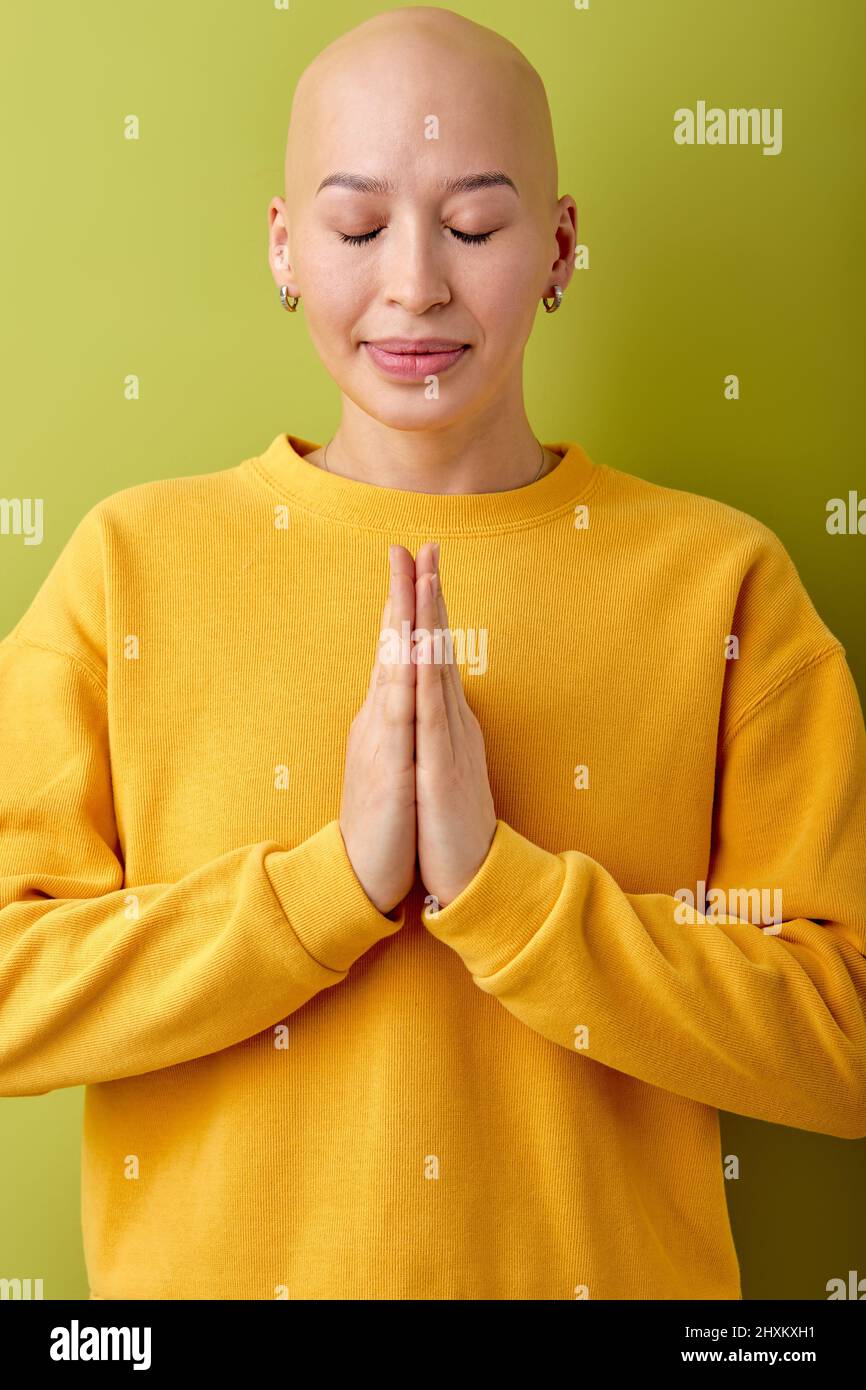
377,814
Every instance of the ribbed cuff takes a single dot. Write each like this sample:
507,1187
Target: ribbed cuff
503,906
324,902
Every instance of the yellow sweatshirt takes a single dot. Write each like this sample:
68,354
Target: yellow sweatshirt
290,1095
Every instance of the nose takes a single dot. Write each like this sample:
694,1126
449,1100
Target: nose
415,265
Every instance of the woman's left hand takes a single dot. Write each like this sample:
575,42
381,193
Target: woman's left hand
454,804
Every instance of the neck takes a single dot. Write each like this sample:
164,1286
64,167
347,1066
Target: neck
492,452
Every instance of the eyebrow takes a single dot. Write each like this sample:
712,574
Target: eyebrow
466,183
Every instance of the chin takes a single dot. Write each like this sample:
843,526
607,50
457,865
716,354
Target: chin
413,413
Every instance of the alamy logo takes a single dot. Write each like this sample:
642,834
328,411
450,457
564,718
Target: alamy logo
438,646
752,905
737,126
847,520
855,1287
76,1343
22,516
21,1288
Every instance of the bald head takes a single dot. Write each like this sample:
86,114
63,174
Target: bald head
365,103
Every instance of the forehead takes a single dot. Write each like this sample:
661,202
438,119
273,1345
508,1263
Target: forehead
414,120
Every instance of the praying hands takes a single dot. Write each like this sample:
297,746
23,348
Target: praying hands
415,787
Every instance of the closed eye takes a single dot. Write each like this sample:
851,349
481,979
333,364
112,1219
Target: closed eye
369,236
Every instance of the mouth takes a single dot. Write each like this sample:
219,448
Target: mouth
415,357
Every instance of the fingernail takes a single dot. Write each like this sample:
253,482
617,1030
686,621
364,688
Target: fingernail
434,584
436,558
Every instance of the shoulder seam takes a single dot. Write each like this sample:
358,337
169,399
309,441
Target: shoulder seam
89,671
833,648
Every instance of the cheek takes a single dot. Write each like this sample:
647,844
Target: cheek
334,285
503,311
333,301
502,295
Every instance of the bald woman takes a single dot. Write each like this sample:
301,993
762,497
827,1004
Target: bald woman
429,138
419,854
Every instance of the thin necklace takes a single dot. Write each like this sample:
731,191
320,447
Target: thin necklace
331,440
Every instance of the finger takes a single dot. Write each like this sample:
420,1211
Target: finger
458,708
455,700
394,692
399,564
433,747
384,624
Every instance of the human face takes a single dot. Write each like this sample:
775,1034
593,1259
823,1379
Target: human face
418,212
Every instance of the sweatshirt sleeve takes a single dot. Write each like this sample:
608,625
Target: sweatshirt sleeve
767,1021
101,980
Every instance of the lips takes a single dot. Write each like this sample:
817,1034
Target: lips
415,357
405,345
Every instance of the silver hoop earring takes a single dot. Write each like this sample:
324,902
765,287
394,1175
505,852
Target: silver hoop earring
557,294
289,301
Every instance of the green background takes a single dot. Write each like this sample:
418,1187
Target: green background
150,257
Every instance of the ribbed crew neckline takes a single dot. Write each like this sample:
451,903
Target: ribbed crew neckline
372,507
